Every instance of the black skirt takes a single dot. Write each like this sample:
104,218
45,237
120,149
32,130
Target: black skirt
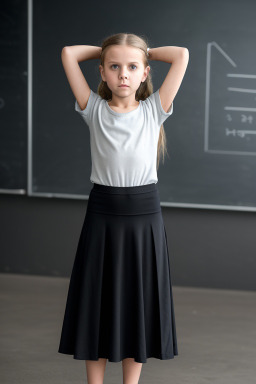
120,301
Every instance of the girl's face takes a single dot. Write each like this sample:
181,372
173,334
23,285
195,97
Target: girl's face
123,65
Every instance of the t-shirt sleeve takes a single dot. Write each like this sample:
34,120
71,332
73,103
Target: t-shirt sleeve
159,113
87,112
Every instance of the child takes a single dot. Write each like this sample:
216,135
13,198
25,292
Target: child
120,305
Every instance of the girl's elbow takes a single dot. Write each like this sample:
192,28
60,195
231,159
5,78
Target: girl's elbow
185,53
64,49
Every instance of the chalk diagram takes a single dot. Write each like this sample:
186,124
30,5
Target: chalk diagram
230,105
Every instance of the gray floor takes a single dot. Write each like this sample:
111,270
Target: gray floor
216,332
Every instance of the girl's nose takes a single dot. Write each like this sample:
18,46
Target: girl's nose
123,75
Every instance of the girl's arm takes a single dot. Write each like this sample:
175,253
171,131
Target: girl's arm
178,57
71,56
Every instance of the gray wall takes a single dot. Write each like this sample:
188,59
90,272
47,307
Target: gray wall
208,248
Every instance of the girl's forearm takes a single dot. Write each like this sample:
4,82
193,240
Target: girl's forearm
167,54
83,52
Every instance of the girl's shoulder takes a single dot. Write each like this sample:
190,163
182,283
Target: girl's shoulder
153,103
155,100
93,98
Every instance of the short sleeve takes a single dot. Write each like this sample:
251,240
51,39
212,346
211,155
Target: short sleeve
158,112
87,112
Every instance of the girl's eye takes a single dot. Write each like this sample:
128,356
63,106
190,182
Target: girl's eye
115,65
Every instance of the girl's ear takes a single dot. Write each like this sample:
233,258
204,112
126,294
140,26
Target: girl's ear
101,72
146,72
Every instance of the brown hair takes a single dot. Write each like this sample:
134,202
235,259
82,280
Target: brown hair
145,89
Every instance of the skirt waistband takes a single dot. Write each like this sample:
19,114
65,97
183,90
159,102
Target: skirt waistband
125,190
137,200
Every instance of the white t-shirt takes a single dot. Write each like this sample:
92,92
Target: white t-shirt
124,145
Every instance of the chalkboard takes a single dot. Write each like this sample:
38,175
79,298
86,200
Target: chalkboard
13,97
211,134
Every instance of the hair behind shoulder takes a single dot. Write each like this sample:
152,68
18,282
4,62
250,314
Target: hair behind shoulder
145,89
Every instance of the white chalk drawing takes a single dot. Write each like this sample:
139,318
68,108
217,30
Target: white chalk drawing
230,106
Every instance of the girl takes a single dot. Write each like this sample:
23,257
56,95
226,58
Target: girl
120,305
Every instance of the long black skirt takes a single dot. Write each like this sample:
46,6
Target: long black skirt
120,301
